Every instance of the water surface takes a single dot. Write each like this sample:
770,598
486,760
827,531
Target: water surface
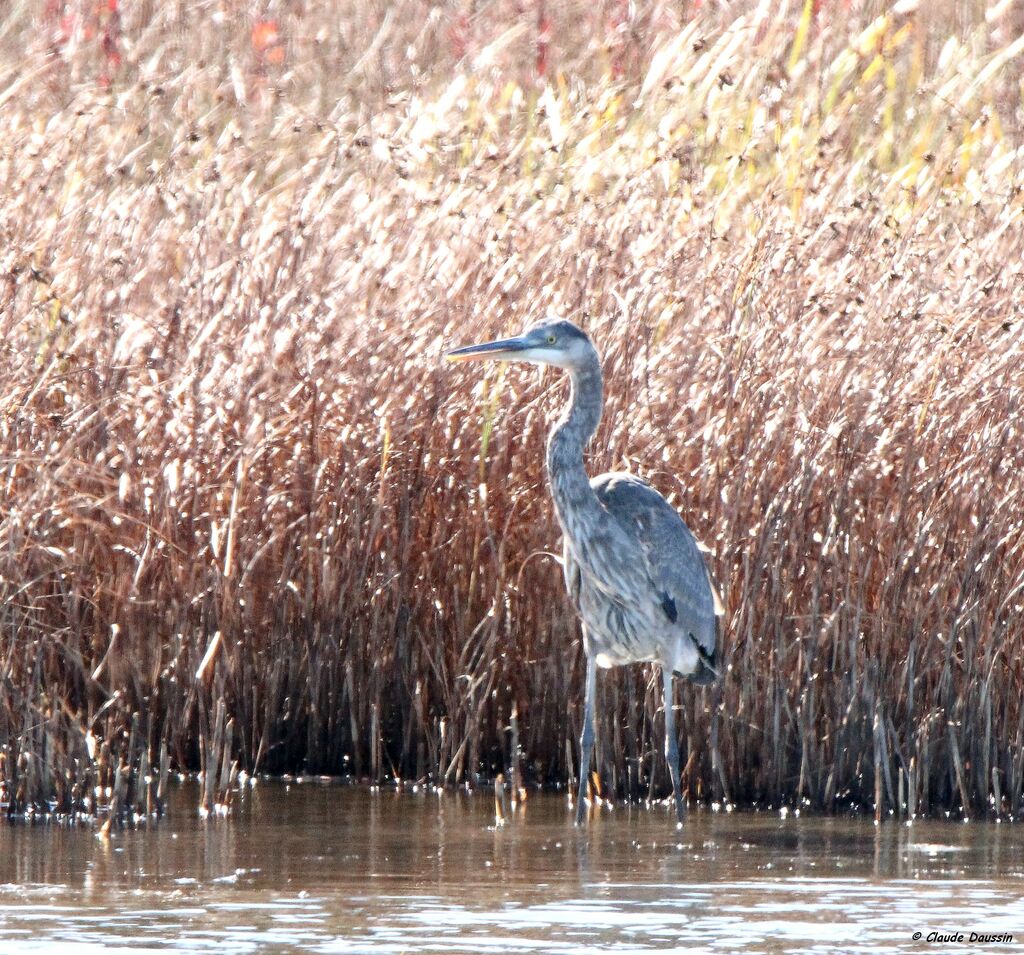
313,868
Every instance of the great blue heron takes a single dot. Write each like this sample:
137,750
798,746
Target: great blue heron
632,568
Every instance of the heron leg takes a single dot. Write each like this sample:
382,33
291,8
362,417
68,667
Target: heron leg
671,742
587,737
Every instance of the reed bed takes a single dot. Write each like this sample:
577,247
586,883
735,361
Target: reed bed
252,521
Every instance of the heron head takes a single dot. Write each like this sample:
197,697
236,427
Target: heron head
556,342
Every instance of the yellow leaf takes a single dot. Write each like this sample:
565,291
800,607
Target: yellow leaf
800,40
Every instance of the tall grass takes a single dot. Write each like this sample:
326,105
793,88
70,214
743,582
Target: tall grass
249,516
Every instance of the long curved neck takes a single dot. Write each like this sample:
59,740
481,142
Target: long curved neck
570,487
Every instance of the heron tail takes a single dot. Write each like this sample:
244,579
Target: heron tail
707,671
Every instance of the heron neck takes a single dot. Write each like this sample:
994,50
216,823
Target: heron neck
570,486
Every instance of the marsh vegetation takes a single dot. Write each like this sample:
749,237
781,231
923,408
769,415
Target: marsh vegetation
249,520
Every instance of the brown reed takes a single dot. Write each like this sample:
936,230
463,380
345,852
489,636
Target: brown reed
250,520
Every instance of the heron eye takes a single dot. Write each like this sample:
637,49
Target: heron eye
551,339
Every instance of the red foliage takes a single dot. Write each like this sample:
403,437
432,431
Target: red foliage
543,39
88,21
459,35
267,41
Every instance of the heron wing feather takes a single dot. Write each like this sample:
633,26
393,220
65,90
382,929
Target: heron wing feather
669,554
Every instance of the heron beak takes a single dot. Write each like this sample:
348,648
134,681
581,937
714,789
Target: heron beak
505,348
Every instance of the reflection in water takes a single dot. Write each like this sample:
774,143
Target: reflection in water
336,869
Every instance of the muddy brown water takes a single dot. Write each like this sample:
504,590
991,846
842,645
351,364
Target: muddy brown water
315,868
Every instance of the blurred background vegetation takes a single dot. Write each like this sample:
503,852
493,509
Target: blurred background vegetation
250,521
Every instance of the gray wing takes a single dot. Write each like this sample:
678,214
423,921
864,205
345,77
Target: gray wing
674,562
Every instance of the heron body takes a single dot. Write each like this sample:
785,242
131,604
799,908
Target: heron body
674,631
633,570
